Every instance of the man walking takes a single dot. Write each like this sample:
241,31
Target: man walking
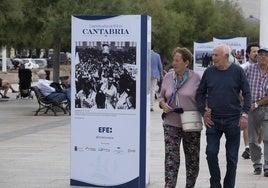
218,99
257,75
251,53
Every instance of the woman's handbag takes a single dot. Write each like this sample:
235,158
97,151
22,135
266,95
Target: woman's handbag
191,121
176,110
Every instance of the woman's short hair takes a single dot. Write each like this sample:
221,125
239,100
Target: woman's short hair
185,53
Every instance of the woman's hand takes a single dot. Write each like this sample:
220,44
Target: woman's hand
166,108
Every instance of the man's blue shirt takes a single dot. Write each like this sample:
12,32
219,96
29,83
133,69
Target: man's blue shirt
220,89
156,65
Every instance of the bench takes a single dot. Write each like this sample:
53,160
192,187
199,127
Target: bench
46,105
1,89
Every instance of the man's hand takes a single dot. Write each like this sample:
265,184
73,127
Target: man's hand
243,123
207,117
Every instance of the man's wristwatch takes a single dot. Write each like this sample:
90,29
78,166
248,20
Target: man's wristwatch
256,105
245,115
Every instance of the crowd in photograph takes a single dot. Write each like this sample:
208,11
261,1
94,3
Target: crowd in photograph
105,78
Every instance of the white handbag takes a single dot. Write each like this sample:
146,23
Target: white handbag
191,121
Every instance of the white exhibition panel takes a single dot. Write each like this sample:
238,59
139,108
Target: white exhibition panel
106,141
204,49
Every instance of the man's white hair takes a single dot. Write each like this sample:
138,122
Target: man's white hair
225,48
41,72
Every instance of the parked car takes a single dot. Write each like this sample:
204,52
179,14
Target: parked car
27,63
9,64
42,62
30,63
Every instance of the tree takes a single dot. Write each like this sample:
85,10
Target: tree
10,19
174,23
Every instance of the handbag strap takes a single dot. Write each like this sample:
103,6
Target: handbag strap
178,85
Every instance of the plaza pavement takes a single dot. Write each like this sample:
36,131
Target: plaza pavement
35,151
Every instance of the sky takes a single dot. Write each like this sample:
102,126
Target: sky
250,7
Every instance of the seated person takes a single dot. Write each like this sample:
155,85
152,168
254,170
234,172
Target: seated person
6,85
67,82
50,92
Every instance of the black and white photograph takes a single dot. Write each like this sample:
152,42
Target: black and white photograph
105,75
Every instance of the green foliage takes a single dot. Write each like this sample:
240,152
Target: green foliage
10,18
37,23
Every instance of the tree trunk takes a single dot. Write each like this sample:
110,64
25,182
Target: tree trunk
38,52
56,60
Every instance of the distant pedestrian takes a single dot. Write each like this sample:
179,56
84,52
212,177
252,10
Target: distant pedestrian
156,73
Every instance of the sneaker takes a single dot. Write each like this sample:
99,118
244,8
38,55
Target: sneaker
265,172
5,97
155,96
257,171
246,154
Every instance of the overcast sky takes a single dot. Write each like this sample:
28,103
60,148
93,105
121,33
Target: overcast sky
250,7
